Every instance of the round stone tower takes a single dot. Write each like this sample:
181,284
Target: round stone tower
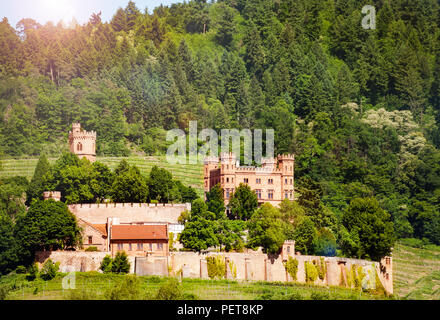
82,143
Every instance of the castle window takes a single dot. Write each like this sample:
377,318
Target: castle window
120,246
288,249
270,194
258,192
227,179
286,195
285,181
90,239
79,146
140,246
291,194
258,181
270,181
227,193
246,180
160,246
291,181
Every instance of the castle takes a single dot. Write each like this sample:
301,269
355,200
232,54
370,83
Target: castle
144,231
272,182
82,143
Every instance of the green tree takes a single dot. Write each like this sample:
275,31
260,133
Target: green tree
129,186
120,263
267,229
367,230
38,182
199,234
215,201
243,202
8,254
304,235
48,225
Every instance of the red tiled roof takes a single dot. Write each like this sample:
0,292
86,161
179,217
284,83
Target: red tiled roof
139,232
101,228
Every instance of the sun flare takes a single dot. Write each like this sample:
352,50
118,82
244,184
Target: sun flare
56,10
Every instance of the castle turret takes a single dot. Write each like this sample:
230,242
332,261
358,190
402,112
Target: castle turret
286,164
82,143
210,164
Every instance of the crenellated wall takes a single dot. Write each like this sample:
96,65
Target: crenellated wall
129,212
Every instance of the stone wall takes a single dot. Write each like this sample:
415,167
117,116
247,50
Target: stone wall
247,266
129,212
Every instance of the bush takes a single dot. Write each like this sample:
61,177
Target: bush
291,266
49,270
106,264
91,249
216,267
4,290
120,263
33,272
311,272
81,294
129,289
294,296
171,290
20,270
316,295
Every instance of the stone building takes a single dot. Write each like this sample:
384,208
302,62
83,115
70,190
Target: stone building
272,182
82,143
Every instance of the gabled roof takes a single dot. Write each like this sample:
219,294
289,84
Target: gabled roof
139,232
101,228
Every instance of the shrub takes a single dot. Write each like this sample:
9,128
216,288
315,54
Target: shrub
49,270
291,266
126,290
216,267
20,270
33,272
4,290
120,263
294,296
311,272
91,249
170,290
316,295
81,294
106,264
322,269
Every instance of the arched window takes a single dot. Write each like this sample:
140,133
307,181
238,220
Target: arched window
79,147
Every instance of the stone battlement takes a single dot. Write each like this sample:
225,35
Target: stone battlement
127,205
98,213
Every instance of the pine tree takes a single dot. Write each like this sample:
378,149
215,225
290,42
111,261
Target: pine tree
38,183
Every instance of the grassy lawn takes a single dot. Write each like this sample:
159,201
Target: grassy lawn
96,286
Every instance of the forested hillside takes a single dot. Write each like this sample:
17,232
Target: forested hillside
359,108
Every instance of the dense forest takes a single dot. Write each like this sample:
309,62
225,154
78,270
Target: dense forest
359,108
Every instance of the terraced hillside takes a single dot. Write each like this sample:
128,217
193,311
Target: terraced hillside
189,174
417,272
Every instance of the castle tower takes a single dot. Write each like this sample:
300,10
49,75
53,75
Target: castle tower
286,164
82,143
210,164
